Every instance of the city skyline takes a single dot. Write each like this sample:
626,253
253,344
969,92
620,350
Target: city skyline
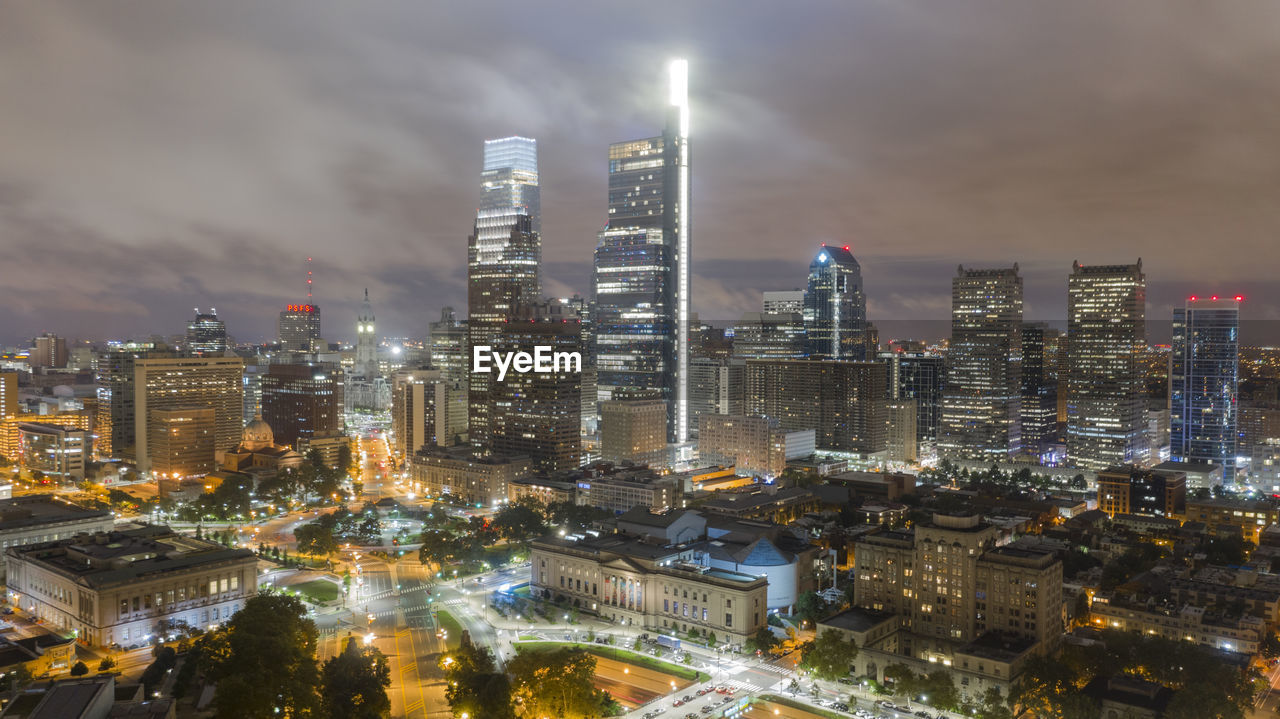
339,181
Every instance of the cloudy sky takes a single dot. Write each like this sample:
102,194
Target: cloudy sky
158,155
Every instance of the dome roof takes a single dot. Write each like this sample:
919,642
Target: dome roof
258,432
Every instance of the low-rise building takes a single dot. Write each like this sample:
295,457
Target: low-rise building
461,473
1189,623
41,654
58,451
122,588
752,444
38,518
542,488
618,488
1199,475
1250,516
1132,490
885,485
628,581
770,503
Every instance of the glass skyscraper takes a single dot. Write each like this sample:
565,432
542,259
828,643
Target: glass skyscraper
981,404
1203,382
504,253
835,307
641,278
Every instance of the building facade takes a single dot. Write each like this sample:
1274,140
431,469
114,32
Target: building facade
920,376
184,383
835,307
1133,490
1204,382
206,334
1039,415
301,401
634,430
462,474
753,445
182,441
843,401
298,328
618,488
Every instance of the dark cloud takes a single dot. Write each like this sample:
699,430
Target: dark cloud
160,155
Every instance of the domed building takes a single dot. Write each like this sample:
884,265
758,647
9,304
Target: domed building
258,453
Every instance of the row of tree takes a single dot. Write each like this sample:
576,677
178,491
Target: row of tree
557,683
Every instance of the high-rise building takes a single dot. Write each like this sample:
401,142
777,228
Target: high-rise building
1106,329
366,359
642,266
752,445
8,394
184,383
843,401
49,351
1204,382
900,430
919,376
716,386
116,423
181,441
301,401
761,335
206,334
509,180
981,402
538,414
428,409
634,430
835,306
449,346
298,328
503,257
784,301
1039,388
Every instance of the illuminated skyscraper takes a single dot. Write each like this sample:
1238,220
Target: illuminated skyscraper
1039,387
982,399
299,328
503,256
206,334
1106,329
1204,382
641,285
835,307
366,361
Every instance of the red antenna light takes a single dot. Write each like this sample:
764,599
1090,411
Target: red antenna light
1214,298
1193,298
846,248
1239,298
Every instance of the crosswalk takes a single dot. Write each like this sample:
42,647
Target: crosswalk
774,669
741,685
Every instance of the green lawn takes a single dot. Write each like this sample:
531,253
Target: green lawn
450,624
317,590
785,701
622,655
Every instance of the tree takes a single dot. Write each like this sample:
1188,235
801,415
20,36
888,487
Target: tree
355,684
993,706
558,683
264,661
763,640
519,523
19,678
829,655
1270,645
345,461
107,664
473,685
79,669
811,607
316,538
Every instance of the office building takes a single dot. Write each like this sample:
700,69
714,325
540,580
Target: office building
36,518
1248,516
298,328
117,416
843,401
618,488
301,401
1204,382
449,346
783,302
184,383
943,595
206,334
919,376
760,335
8,394
181,441
1147,492
835,306
504,253
631,582
538,414
901,424
634,430
1039,416
115,588
752,445
981,403
716,386
59,451
427,409
11,429
366,359
1106,329
460,473
641,284
49,351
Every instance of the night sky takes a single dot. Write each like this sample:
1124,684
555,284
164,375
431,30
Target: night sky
160,155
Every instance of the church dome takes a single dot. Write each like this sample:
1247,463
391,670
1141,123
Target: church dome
258,432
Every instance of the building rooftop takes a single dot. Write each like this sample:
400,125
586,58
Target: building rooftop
72,698
37,509
107,558
1196,467
857,619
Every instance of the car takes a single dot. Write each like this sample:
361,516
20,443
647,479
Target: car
841,707
846,680
687,698
923,714
690,715
703,691
678,702
708,709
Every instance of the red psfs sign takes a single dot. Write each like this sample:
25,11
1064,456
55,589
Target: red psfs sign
300,308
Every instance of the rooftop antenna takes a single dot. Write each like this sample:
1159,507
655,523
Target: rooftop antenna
308,279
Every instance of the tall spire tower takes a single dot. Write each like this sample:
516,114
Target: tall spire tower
366,341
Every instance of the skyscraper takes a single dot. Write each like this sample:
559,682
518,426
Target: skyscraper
1203,382
184,383
49,351
206,334
366,361
783,301
760,335
503,257
982,399
843,401
1039,387
8,394
1106,329
298,328
835,307
302,401
641,282
919,376
449,346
